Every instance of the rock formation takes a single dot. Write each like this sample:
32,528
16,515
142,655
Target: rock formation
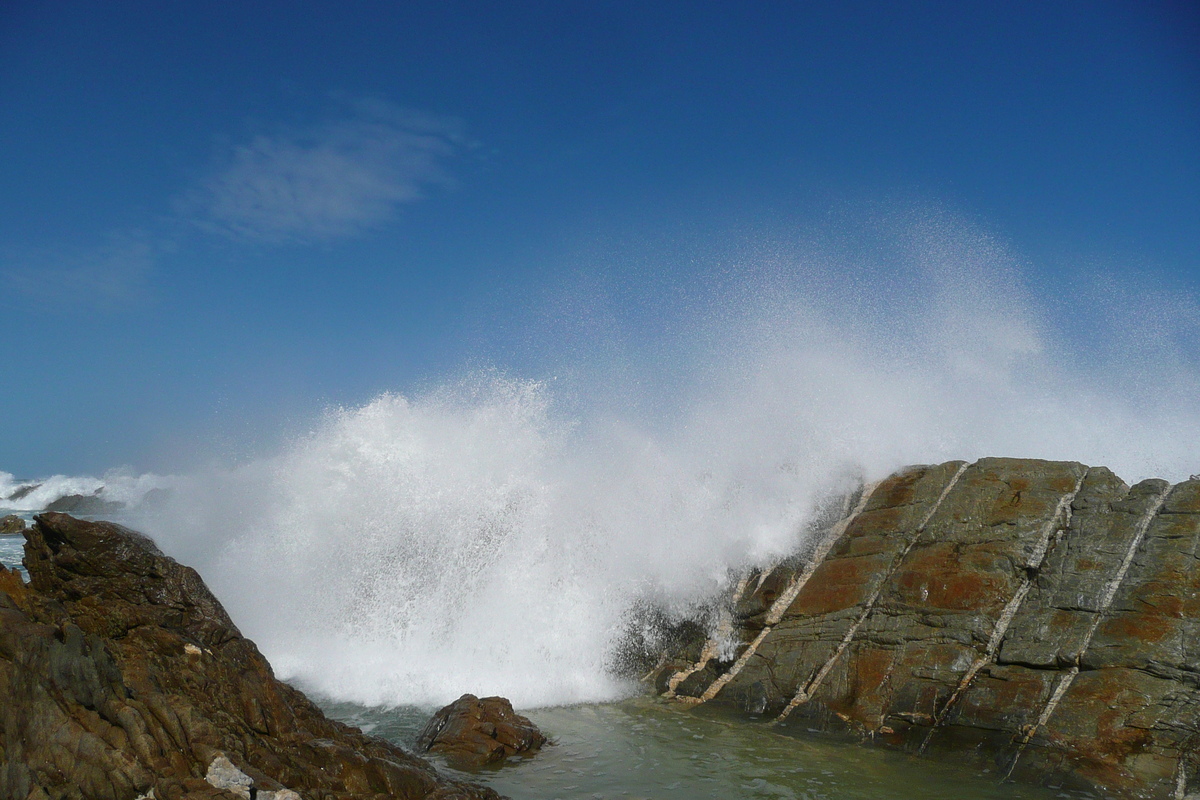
472,733
11,525
122,677
24,491
88,505
1040,618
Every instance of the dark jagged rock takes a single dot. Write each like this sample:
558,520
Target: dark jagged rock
121,677
1040,618
88,505
11,524
24,491
472,733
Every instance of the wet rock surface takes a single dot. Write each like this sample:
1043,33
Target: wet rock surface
1041,619
472,733
121,676
11,525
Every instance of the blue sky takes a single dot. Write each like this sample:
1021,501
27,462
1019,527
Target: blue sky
218,219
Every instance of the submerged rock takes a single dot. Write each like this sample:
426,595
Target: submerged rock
1040,618
24,491
121,677
11,524
88,505
472,733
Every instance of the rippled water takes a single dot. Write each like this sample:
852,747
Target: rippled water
644,749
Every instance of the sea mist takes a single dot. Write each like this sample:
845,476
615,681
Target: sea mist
493,533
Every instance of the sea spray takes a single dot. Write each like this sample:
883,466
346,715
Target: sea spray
502,535
472,538
118,487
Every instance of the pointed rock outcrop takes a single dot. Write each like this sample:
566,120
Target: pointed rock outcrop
122,677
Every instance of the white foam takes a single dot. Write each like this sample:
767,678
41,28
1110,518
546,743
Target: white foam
120,485
490,536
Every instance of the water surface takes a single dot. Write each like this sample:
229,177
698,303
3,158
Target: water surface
12,550
642,748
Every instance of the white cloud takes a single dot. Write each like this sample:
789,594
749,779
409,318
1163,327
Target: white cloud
333,180
112,276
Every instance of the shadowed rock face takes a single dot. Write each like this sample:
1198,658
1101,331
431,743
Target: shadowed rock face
1039,618
121,674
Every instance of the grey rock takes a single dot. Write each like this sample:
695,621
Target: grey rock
24,491
86,505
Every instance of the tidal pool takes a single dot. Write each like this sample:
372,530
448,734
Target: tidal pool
642,748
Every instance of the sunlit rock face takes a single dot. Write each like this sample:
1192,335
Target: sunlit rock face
472,732
1037,617
121,676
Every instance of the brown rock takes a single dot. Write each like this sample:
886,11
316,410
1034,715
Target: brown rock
120,673
472,733
1041,619
11,525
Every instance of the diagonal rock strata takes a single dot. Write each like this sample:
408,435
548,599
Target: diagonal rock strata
1041,619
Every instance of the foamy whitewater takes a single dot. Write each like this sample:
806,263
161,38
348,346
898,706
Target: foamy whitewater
491,535
116,486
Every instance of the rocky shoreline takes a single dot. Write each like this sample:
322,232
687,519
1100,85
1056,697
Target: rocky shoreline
1038,619
122,677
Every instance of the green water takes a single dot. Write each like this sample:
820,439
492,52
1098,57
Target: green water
642,748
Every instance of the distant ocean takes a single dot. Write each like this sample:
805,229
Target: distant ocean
119,487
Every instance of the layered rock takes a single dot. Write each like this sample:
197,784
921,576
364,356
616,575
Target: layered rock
122,677
1038,617
472,733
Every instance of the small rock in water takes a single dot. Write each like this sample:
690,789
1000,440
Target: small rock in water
472,733
11,524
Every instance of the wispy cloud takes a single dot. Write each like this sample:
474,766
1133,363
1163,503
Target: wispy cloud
332,180
112,276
